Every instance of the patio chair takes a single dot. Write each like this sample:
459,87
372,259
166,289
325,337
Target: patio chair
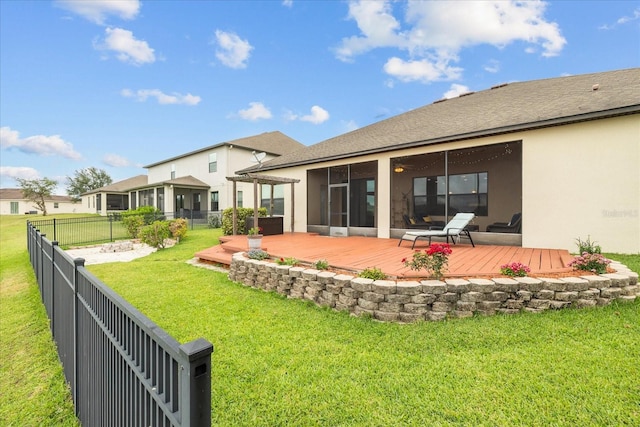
456,228
513,226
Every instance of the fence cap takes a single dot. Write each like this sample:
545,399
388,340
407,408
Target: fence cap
197,349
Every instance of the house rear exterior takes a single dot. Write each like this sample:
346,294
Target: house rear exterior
562,152
13,202
193,184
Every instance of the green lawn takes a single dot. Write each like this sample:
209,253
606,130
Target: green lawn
287,362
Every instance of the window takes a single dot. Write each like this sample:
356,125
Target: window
213,162
145,197
132,198
15,207
215,201
278,198
173,171
160,205
179,202
196,201
56,205
239,199
467,193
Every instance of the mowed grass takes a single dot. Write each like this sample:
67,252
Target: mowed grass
280,362
32,387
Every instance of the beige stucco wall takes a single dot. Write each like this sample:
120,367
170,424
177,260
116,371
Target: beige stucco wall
27,206
583,180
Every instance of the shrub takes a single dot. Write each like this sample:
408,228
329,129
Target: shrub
258,254
178,228
593,262
433,260
134,220
155,234
588,246
242,213
133,224
515,269
321,264
286,261
372,273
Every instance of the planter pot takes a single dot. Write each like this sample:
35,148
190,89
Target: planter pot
255,241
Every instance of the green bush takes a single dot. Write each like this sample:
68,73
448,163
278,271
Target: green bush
243,213
133,224
155,234
178,228
135,219
372,273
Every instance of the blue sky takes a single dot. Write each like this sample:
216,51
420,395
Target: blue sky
121,84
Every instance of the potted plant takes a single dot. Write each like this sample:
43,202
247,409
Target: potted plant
254,237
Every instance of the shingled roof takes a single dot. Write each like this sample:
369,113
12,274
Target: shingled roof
122,186
502,109
275,143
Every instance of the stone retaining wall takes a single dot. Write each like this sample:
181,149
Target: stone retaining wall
409,301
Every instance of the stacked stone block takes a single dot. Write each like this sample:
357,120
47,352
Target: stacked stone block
410,301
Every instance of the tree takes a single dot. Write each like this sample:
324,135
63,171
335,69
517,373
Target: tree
37,190
86,180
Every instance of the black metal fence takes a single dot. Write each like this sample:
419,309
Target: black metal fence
121,367
96,229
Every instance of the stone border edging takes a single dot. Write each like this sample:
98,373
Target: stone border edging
410,301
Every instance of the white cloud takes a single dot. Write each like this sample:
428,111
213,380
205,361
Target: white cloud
622,21
126,46
256,111
287,3
97,11
437,31
116,161
162,98
456,90
318,115
423,70
232,50
38,144
13,172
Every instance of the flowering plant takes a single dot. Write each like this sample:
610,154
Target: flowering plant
514,269
286,261
593,262
254,231
433,259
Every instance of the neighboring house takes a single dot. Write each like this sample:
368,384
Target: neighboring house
13,202
195,183
564,152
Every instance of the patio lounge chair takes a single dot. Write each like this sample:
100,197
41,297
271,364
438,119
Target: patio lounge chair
455,228
513,226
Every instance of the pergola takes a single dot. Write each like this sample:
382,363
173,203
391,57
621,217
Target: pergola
261,179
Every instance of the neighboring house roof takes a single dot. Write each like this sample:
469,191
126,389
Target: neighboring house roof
502,109
121,186
16,194
275,143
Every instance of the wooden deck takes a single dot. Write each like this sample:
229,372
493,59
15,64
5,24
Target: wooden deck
358,253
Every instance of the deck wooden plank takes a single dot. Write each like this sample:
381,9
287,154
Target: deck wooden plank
357,253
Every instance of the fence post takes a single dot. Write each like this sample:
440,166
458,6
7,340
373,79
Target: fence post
55,236
77,263
196,383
